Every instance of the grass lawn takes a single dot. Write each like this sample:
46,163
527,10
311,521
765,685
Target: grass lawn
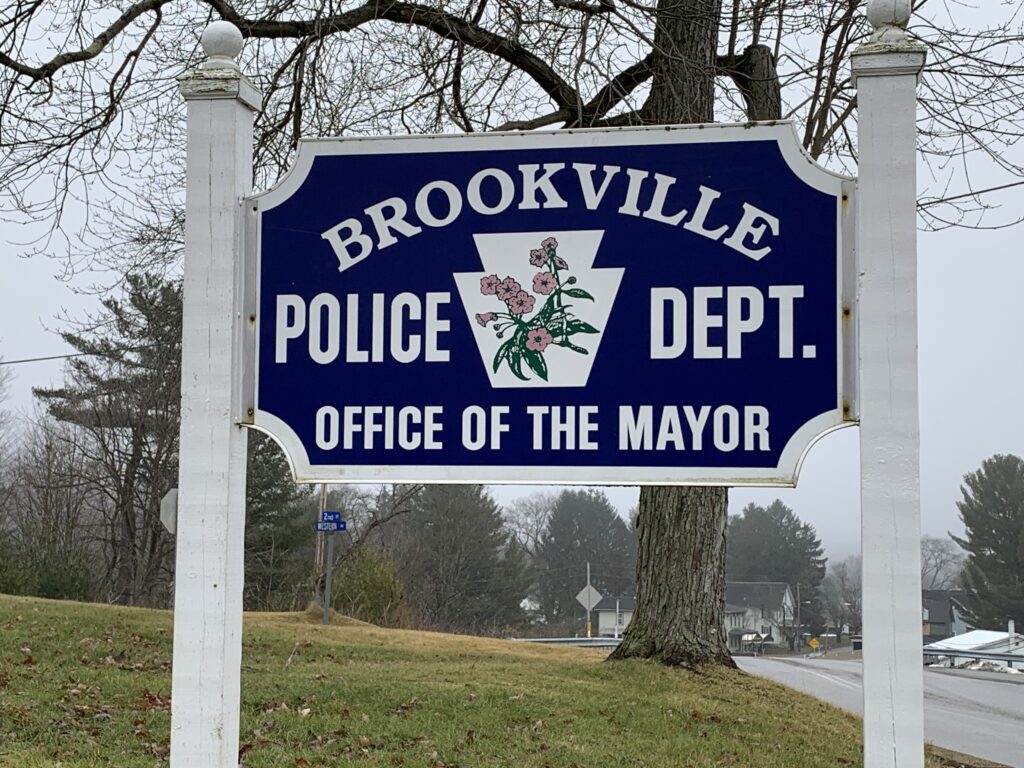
90,685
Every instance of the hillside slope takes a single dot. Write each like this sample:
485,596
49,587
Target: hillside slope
89,685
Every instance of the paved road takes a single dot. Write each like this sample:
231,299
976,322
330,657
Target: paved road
980,713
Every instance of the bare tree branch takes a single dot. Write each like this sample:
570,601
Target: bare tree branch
99,43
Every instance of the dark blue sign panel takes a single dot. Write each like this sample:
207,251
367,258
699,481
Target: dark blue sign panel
330,517
639,306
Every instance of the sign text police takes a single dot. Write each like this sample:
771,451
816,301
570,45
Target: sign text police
641,306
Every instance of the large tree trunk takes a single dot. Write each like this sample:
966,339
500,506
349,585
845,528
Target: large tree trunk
680,578
685,52
681,560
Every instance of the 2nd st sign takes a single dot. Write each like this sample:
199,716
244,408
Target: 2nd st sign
635,306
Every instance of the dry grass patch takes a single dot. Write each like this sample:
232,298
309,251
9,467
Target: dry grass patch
84,685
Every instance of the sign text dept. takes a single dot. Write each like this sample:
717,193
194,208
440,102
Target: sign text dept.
633,306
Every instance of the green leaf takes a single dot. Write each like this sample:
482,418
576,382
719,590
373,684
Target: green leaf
546,312
515,364
578,326
535,360
574,348
578,293
503,353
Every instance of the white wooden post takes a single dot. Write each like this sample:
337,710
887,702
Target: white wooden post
211,475
886,69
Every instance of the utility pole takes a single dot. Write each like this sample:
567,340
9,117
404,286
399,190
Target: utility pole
320,553
588,604
327,574
799,624
784,638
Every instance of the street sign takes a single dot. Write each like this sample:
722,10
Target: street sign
169,510
813,642
629,306
330,517
331,527
588,597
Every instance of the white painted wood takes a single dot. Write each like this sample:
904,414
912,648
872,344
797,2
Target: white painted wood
211,503
886,71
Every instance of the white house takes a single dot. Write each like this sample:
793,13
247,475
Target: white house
614,615
758,614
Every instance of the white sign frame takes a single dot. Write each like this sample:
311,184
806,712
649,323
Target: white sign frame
785,474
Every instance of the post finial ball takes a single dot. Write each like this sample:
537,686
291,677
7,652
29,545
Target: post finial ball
889,13
222,41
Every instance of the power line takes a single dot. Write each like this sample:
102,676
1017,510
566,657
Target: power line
930,203
49,357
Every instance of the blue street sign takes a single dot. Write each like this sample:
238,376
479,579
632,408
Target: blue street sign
323,527
330,517
636,306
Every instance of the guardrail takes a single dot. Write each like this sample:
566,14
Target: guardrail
930,657
578,642
933,657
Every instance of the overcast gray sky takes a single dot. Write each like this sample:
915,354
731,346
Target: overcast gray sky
971,368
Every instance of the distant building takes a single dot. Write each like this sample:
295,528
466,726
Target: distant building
943,614
758,614
957,650
614,615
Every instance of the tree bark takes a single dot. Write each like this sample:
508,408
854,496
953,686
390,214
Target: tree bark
680,566
680,578
685,48
757,79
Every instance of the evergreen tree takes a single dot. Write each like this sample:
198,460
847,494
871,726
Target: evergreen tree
121,398
120,406
583,527
772,544
992,512
279,517
461,568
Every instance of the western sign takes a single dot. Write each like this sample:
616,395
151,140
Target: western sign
636,306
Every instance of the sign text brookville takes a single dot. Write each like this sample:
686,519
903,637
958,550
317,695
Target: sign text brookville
624,303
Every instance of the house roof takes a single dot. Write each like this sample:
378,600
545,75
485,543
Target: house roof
977,640
958,596
766,595
608,603
939,603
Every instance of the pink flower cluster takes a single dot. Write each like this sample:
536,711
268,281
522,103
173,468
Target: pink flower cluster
509,290
521,302
539,257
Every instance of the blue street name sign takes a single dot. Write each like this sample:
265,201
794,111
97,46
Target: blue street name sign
635,306
329,527
330,517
